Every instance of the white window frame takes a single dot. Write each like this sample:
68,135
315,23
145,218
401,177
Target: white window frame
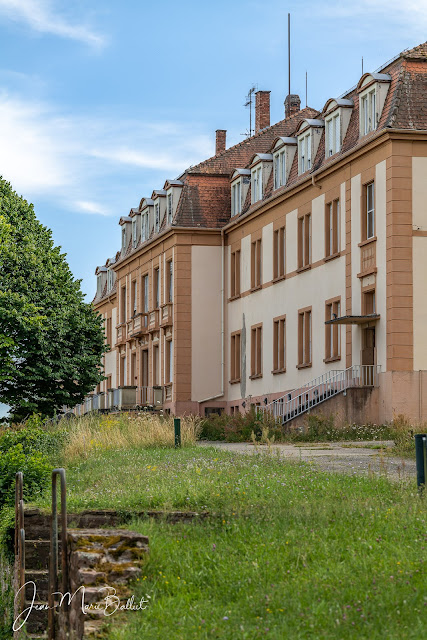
169,205
279,168
144,225
368,111
370,211
256,184
123,237
110,275
333,134
134,233
157,216
236,198
304,153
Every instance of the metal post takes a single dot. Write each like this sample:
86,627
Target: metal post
420,447
177,427
53,561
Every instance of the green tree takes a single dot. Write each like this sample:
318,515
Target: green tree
51,341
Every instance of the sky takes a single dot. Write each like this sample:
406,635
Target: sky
101,102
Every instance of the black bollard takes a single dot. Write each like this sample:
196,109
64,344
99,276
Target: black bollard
420,456
177,427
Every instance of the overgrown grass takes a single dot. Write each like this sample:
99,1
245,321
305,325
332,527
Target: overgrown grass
288,552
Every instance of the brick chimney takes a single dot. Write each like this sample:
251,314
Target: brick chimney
262,110
292,105
220,140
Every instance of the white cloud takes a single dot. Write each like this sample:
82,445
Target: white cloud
40,16
81,163
91,207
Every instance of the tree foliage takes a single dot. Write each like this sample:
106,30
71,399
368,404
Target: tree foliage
51,341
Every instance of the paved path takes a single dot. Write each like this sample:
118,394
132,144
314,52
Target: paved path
346,457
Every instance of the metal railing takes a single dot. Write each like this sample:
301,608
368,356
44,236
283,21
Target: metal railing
321,389
20,535
53,558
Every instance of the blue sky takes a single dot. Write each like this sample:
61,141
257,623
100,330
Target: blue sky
100,102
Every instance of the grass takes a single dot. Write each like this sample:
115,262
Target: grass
287,552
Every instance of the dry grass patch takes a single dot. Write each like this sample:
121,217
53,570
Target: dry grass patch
96,432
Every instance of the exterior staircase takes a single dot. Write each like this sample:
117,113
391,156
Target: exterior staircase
326,386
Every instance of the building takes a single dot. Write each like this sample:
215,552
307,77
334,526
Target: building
285,269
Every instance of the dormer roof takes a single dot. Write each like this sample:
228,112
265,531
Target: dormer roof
333,103
124,219
99,270
172,183
309,122
145,202
158,193
133,212
261,157
240,172
367,78
281,141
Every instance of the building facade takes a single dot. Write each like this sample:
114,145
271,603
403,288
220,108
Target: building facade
297,255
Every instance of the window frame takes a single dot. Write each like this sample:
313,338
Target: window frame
279,345
333,339
236,197
368,110
304,241
169,205
305,338
235,274
256,264
332,135
279,253
235,356
304,159
256,351
279,168
256,183
332,228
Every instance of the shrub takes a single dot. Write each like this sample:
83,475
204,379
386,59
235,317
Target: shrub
35,467
239,427
32,440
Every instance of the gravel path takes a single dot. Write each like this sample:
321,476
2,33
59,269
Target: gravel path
345,457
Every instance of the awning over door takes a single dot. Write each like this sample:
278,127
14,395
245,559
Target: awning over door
371,317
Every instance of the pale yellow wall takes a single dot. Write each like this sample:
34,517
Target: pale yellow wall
205,322
419,254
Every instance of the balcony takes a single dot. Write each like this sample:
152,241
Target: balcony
153,320
150,397
368,258
121,333
166,315
138,325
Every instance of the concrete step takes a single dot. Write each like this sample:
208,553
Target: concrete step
37,620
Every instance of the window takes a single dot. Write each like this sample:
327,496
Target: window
169,284
332,228
98,286
123,376
333,135
123,305
156,366
279,253
170,207
169,362
156,288
133,370
304,153
304,338
134,298
368,108
333,331
280,169
304,241
109,328
134,234
110,279
256,184
144,294
279,345
256,264
157,216
368,302
123,238
256,351
144,227
144,369
368,230
235,357
235,274
236,198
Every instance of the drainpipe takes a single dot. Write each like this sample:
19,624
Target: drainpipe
220,395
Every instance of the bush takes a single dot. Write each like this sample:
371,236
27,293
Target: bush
239,427
48,442
35,467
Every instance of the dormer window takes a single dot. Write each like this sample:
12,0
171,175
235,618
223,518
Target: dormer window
110,279
372,90
157,216
280,168
170,207
98,286
333,137
236,198
123,238
144,227
304,153
256,184
134,233
368,112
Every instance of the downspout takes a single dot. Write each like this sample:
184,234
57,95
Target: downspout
220,395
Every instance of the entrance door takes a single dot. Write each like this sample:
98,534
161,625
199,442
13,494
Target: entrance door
368,355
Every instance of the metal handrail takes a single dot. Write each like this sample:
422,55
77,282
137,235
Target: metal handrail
19,495
53,560
20,535
320,389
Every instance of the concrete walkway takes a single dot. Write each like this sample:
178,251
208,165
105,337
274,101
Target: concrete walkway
345,457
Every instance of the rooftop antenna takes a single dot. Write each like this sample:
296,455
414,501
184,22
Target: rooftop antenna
306,89
362,65
248,103
289,54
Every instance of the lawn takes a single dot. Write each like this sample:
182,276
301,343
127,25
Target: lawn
287,551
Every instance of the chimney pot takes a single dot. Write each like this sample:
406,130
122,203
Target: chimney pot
292,104
262,110
220,140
